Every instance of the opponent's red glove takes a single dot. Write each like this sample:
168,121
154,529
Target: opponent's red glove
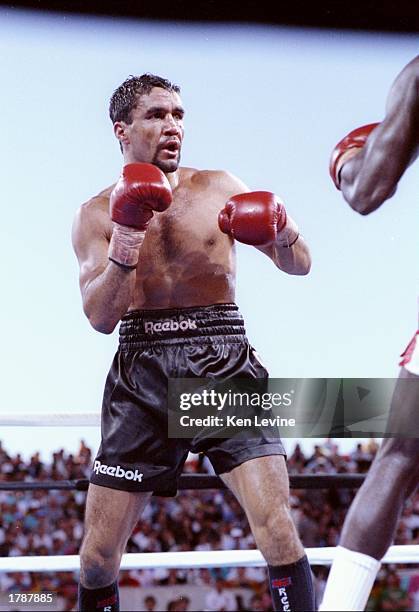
257,218
347,148
140,190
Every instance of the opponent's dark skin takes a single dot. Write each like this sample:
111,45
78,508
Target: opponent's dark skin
367,177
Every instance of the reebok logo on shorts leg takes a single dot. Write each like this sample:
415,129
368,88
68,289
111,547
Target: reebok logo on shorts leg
171,325
117,472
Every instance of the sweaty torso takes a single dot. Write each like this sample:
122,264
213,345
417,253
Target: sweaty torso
185,260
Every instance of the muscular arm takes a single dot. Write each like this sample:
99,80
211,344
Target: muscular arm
370,177
295,259
106,288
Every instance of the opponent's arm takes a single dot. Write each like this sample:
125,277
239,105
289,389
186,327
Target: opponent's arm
259,218
108,253
368,163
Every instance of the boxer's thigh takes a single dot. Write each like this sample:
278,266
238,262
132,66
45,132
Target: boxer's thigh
110,517
260,484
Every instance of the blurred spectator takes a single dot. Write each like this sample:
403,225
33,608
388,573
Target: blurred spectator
413,591
150,603
256,603
220,598
181,604
389,595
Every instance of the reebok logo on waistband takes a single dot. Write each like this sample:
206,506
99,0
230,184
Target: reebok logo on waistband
171,325
117,472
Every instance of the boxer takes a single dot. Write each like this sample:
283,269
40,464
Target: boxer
157,252
367,166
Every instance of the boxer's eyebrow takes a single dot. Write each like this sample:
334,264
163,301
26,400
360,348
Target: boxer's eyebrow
163,109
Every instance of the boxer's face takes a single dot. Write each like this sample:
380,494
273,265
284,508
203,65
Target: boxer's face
156,132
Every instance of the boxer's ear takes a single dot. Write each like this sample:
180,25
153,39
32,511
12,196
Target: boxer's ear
121,132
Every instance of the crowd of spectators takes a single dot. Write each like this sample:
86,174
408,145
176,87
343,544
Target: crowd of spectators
51,523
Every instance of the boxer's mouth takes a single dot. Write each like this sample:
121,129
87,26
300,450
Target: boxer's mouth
171,145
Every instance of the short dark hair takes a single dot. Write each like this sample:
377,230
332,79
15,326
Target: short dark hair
125,98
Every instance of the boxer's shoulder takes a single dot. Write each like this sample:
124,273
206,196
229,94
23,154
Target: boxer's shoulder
94,213
100,200
97,204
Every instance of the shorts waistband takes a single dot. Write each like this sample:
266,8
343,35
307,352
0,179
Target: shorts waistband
150,326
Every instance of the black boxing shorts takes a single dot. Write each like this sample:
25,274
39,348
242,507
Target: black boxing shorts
136,453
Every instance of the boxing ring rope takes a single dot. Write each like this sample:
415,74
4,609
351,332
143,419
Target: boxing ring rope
188,560
179,560
40,419
198,482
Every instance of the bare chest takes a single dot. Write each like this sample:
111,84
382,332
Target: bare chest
189,225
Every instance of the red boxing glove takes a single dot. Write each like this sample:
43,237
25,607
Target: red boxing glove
140,190
347,148
253,218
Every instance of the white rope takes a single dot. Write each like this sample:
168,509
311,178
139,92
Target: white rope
50,419
178,560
